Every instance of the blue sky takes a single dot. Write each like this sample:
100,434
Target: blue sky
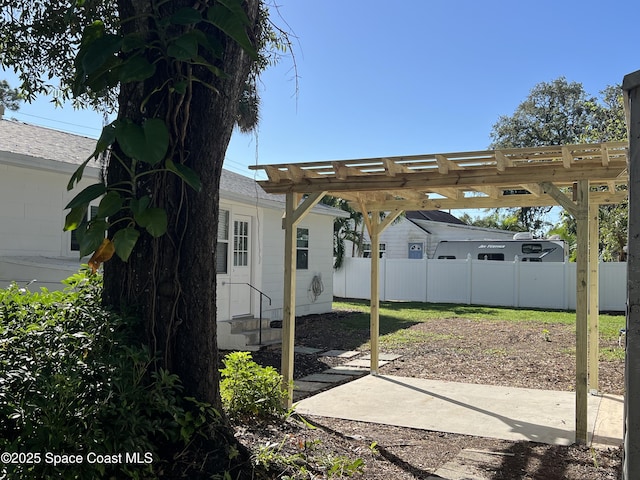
416,76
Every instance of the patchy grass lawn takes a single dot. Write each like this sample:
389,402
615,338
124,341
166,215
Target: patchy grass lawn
396,318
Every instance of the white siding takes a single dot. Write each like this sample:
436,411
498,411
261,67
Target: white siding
320,264
32,210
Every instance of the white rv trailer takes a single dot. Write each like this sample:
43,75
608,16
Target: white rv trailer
526,250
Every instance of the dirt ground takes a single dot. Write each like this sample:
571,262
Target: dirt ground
459,350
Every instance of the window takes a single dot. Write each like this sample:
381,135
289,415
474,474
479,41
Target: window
222,247
302,249
446,257
366,250
75,241
240,243
531,247
491,256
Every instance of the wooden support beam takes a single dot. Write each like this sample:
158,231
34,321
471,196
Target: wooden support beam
374,320
567,158
594,303
582,303
502,161
445,165
564,201
289,301
294,212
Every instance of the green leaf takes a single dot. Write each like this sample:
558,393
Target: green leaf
133,41
186,16
136,69
107,137
138,206
154,220
75,217
190,177
233,24
181,87
110,204
77,175
147,143
184,47
87,195
99,52
124,241
92,238
235,6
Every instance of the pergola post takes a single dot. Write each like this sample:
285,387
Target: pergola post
375,226
579,208
582,314
594,297
631,462
292,216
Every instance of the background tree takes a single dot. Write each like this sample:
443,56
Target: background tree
561,112
554,113
178,72
10,98
496,218
344,229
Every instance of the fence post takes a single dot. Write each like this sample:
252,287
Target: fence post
516,281
470,277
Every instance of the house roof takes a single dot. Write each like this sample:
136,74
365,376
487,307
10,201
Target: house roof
27,145
433,216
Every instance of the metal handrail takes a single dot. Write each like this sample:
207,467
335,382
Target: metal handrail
262,294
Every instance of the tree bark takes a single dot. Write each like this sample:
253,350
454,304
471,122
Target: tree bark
170,282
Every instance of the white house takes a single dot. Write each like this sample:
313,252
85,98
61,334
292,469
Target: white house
35,166
417,234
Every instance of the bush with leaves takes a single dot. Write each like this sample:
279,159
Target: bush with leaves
73,381
250,390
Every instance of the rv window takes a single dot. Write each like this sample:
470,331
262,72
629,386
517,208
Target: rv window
531,247
447,257
491,256
531,259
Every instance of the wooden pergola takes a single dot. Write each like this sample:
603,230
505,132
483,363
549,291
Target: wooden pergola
577,177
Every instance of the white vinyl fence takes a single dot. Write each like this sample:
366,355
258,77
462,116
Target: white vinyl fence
549,285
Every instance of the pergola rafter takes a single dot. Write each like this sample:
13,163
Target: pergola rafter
577,177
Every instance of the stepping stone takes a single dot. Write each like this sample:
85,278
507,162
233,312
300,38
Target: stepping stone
303,386
345,371
362,363
389,357
471,465
341,353
306,350
322,378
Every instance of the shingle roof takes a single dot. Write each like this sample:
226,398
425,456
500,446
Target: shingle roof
39,142
53,145
434,216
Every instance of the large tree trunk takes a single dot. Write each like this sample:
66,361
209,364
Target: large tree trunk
170,282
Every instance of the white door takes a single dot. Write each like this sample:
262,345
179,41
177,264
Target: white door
241,296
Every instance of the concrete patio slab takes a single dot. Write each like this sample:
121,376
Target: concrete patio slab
479,410
303,386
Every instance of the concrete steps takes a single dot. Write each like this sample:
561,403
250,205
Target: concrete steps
244,334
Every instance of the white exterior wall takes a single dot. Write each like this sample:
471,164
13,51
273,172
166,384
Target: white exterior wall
320,263
397,237
32,211
549,285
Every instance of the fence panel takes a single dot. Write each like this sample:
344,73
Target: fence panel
492,283
448,281
519,284
405,280
542,285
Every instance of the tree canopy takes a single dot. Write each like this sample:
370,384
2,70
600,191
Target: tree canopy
561,112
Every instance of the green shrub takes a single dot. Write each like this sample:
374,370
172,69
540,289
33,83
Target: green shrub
250,390
74,380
